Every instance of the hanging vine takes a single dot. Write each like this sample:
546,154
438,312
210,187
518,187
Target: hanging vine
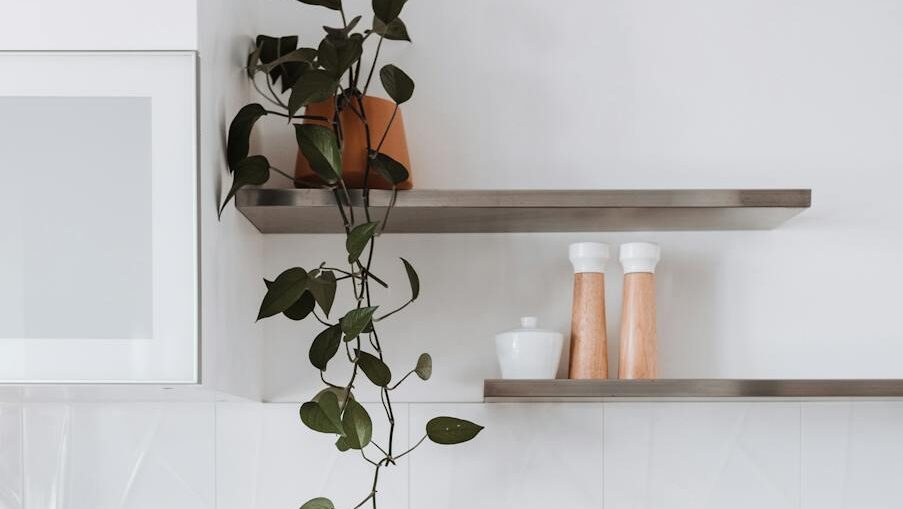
333,71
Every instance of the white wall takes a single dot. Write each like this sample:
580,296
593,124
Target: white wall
645,94
98,25
231,248
611,94
628,94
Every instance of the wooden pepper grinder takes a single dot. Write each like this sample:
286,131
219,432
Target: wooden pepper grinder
589,339
639,356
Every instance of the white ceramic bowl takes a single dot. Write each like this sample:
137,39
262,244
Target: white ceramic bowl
529,352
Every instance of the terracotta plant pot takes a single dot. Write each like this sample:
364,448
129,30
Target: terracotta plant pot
354,152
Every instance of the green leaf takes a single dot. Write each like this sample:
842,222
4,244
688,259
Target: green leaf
239,140
311,87
254,170
319,146
335,5
342,33
413,279
338,55
389,169
325,346
397,83
300,309
355,321
424,368
375,369
357,425
291,66
342,444
394,31
450,431
283,292
322,415
358,238
338,392
320,502
273,48
388,10
323,288
300,55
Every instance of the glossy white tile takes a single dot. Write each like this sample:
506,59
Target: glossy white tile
852,455
702,455
295,464
528,456
122,456
238,440
11,476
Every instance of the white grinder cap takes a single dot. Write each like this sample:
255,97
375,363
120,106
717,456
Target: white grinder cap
640,257
589,256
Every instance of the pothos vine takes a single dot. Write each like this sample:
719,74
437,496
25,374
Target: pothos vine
333,71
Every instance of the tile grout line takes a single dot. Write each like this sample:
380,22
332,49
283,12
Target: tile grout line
215,455
408,487
602,407
22,453
799,495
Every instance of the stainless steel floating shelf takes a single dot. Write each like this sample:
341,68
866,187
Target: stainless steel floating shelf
450,211
685,389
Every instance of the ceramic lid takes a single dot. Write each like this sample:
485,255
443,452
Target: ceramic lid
529,324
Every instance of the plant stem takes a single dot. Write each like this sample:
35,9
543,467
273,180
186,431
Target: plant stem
360,103
411,372
350,383
387,315
275,95
380,448
334,386
348,198
382,226
357,74
373,66
388,126
284,174
338,200
314,312
264,95
302,117
412,448
367,459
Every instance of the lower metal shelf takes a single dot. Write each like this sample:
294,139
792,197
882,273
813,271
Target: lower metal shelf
684,389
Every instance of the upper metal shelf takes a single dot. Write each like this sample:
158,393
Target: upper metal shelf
684,389
466,211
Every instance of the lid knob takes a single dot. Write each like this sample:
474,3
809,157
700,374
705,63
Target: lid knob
640,257
528,322
589,256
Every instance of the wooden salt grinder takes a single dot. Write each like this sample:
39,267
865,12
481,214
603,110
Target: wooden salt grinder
589,338
639,355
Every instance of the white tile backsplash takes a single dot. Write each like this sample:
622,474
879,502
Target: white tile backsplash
701,455
657,455
279,463
119,456
852,455
527,457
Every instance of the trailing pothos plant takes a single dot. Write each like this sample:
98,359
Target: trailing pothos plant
334,71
